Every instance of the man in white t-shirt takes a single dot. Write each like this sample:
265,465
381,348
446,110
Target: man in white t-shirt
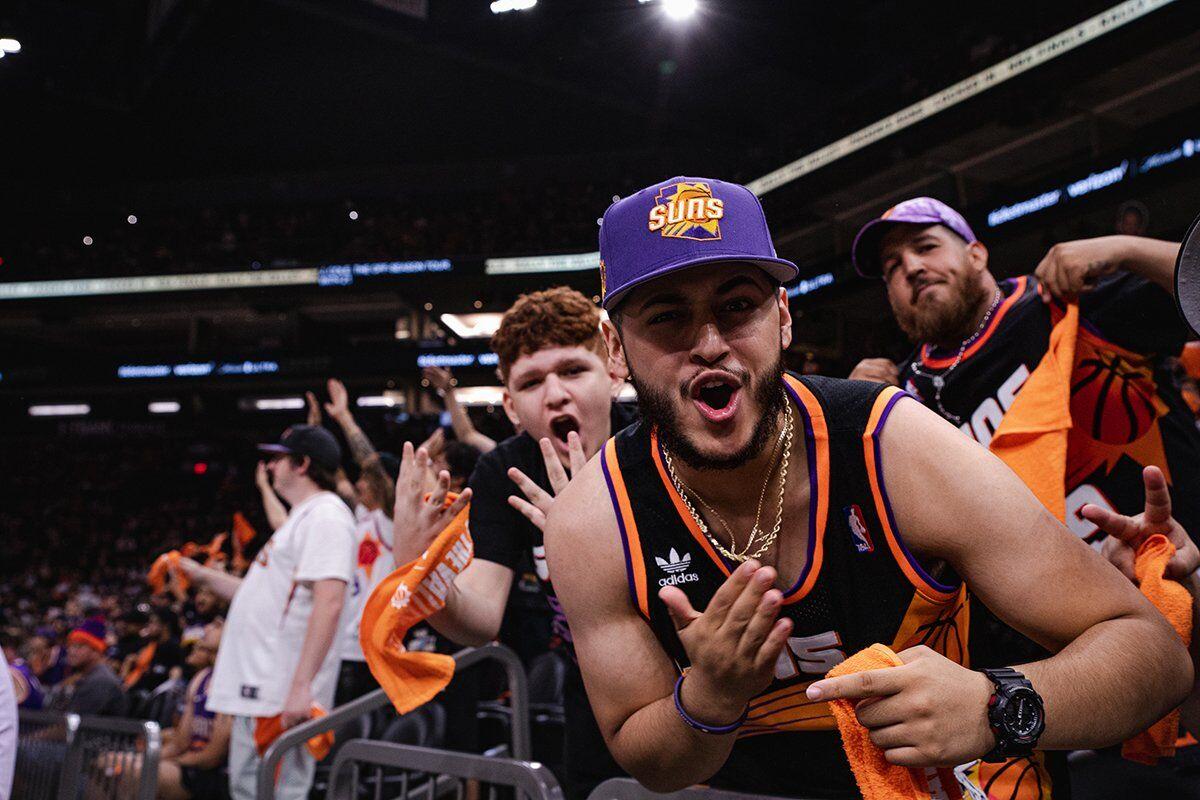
280,644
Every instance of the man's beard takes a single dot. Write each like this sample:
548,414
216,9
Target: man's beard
659,412
945,323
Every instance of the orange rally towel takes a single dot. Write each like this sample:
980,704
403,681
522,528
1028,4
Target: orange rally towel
1175,603
167,563
1032,437
401,600
876,778
243,531
268,729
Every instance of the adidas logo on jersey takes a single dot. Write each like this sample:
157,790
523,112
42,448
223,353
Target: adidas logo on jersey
675,566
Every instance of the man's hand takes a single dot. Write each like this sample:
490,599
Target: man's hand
435,444
930,712
338,406
1073,267
314,409
416,520
1125,534
297,707
439,378
262,478
538,505
879,370
733,645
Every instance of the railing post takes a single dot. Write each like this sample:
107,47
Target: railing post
72,768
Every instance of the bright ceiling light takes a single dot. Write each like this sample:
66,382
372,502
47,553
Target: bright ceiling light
164,407
388,400
472,326
504,6
279,403
680,9
65,410
131,219
479,395
9,46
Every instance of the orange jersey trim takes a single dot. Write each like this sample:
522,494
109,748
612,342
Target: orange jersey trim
993,324
911,568
635,563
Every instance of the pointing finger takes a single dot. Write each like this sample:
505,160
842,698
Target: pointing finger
859,685
531,512
1158,498
536,494
575,449
678,606
554,468
1116,525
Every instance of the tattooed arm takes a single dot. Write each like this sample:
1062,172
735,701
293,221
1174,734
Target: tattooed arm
361,448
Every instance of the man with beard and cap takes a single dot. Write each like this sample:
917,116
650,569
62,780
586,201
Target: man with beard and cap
979,339
560,395
756,529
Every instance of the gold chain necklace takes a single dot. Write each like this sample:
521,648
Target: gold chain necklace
744,554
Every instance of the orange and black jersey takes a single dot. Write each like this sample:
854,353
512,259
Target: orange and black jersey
1126,409
860,585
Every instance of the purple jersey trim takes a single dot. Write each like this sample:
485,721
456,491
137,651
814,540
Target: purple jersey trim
887,504
612,495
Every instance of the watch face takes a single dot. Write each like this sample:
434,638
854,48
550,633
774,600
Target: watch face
1023,714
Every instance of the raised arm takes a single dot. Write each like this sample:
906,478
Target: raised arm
361,449
221,583
276,512
954,501
1073,267
630,679
443,382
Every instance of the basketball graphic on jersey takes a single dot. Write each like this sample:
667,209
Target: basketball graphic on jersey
1113,395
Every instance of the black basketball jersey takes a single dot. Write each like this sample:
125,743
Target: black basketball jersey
860,584
1126,409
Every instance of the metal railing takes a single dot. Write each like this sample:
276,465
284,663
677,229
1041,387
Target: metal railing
112,758
629,789
518,685
63,755
42,741
449,769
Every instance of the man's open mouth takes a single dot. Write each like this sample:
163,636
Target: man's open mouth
716,395
561,426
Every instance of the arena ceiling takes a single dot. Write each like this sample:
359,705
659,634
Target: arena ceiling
141,90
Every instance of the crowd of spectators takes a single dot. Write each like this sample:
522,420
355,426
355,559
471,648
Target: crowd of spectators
511,220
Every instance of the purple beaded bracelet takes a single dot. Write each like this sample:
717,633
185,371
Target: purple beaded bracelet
700,726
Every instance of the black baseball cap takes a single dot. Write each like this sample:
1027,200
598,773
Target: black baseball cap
308,440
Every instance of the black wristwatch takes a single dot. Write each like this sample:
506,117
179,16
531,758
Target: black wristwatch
1015,714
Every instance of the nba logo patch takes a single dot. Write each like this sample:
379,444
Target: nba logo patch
687,210
858,529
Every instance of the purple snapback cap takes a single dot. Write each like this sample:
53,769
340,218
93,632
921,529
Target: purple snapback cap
681,223
917,211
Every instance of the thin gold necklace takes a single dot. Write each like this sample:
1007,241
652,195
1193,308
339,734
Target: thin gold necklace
744,554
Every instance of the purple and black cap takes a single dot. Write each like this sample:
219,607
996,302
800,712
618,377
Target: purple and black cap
917,211
681,223
308,440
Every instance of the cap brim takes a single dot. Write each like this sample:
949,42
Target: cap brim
1187,278
275,448
780,269
864,253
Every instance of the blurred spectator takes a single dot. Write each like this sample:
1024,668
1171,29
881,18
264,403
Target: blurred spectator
193,758
92,688
8,732
1133,218
159,657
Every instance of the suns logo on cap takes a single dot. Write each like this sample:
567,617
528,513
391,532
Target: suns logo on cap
687,211
603,279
